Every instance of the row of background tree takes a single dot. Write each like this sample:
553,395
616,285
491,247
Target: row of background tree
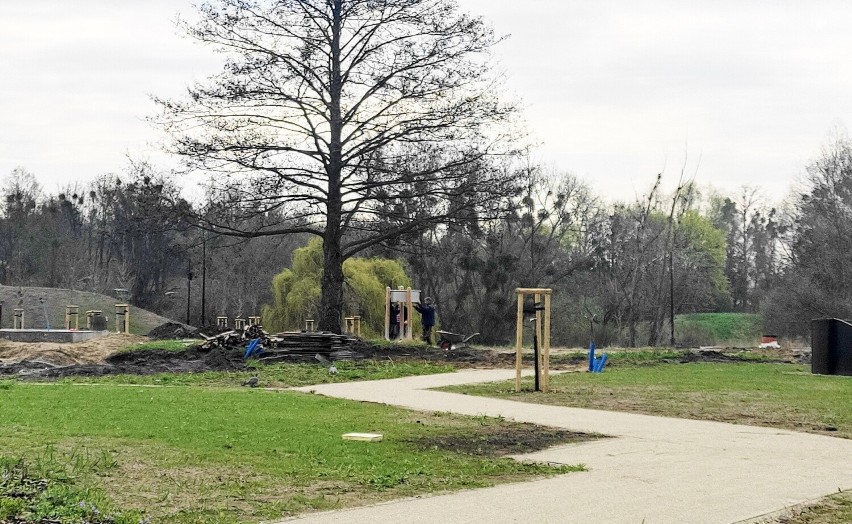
627,265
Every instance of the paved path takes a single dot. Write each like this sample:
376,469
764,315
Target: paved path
657,470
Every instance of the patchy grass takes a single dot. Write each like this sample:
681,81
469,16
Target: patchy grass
55,300
197,454
279,375
718,328
43,490
163,345
763,394
835,509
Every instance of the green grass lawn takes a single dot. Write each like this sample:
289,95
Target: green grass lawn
203,454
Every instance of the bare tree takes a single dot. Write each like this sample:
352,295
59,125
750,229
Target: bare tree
331,112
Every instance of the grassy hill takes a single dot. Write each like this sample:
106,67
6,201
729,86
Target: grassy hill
718,328
141,321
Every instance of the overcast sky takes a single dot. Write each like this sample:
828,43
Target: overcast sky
616,91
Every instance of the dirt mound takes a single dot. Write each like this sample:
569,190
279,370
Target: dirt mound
721,356
172,330
93,351
143,362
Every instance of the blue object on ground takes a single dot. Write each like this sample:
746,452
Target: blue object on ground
251,348
591,356
600,363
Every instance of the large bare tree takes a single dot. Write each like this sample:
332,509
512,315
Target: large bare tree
336,113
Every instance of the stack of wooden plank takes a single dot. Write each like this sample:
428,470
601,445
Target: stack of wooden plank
287,345
308,343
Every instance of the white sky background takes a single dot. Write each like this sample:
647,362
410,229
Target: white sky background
616,91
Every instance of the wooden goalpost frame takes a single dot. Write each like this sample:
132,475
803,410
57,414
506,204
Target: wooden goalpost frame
542,334
409,297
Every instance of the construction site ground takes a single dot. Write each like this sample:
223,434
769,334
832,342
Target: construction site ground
114,354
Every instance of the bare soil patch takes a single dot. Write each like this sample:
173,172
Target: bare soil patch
91,351
508,438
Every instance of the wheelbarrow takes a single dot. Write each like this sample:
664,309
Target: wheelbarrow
449,340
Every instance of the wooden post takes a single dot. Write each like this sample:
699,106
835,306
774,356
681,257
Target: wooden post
539,359
18,318
387,312
122,312
410,306
72,312
519,340
543,338
546,345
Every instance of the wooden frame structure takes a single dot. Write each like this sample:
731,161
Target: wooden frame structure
353,325
122,311
239,323
254,321
542,313
309,324
222,322
406,298
72,312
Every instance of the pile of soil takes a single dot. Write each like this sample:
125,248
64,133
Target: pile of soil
173,330
92,351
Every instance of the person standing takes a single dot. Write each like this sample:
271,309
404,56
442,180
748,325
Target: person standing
393,331
427,318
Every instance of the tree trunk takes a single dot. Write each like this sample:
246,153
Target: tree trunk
331,284
331,303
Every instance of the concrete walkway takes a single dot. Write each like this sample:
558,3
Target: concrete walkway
657,470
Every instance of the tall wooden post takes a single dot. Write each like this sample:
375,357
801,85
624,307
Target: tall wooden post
542,333
546,344
519,340
387,312
410,323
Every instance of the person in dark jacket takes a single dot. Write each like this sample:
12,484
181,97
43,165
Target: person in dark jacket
427,318
393,331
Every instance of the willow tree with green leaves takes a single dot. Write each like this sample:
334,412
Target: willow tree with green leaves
331,117
297,294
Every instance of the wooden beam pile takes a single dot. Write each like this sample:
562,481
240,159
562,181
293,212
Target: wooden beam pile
282,346
300,345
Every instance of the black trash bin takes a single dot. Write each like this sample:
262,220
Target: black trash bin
831,347
99,322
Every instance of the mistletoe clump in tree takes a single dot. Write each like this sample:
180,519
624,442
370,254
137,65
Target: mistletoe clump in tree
335,117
